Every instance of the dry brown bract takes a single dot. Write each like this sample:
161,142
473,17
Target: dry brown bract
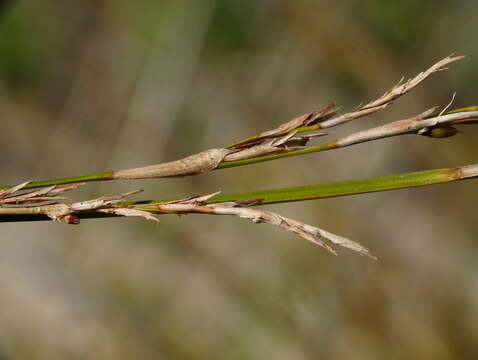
70,213
394,93
7,197
241,209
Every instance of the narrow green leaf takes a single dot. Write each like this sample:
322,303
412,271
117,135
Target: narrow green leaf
345,188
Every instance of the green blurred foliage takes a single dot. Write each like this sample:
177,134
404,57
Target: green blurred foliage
230,25
22,48
404,24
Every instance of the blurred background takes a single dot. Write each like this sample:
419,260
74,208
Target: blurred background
88,86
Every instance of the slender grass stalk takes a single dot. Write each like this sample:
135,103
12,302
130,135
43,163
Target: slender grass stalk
298,130
279,148
414,125
347,188
258,159
468,108
372,107
110,175
102,176
289,194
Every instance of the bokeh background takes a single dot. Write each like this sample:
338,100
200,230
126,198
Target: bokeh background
88,86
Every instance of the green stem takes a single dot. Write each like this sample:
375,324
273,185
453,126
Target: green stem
468,108
344,188
309,150
67,180
301,193
223,165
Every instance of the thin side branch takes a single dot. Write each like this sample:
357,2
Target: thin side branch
69,213
420,124
436,127
389,96
283,141
311,233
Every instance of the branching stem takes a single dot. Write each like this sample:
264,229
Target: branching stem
289,194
